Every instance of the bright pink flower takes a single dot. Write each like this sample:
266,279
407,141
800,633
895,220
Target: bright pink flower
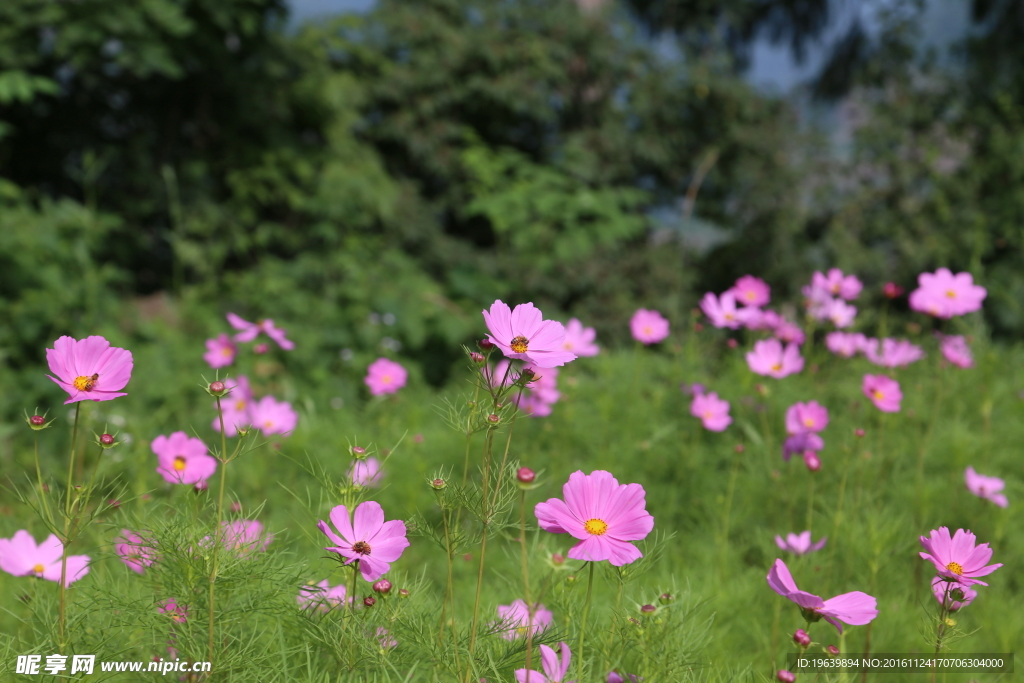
713,411
799,544
855,609
602,514
580,340
244,536
554,670
895,353
957,558
367,473
752,291
366,539
271,416
769,358
801,443
235,405
944,590
986,487
523,334
20,556
385,377
648,327
322,596
89,369
183,459
884,392
789,332
220,351
845,344
945,295
806,417
250,331
135,551
836,284
517,622
172,608
722,311
956,351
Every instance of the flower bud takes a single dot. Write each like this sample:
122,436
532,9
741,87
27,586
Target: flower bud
218,388
812,461
785,676
739,448
731,343
260,349
485,344
383,586
891,290
859,433
801,638
648,609
666,598
236,506
557,559
832,650
37,420
107,440
761,389
202,485
570,579
526,376
525,475
403,592
358,452
477,358
438,484
369,601
114,503
493,419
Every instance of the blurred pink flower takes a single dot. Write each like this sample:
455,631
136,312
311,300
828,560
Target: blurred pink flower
806,417
135,551
845,344
799,544
183,459
367,473
752,291
957,558
366,539
385,377
271,416
884,392
385,639
89,369
516,620
720,309
554,670
244,536
713,411
648,327
769,358
895,353
523,334
801,443
220,351
20,556
177,612
944,589
250,331
944,295
789,332
840,313
956,351
986,487
235,405
855,609
836,284
580,340
322,596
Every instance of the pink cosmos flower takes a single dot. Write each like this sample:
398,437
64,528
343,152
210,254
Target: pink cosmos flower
245,536
648,327
855,609
220,351
183,459
957,558
602,514
884,392
385,377
895,353
539,396
271,416
367,539
806,417
945,295
580,340
956,351
250,331
751,291
713,411
172,608
20,556
235,405
616,677
523,334
769,358
554,670
366,473
89,369
840,313
385,639
944,590
722,311
986,487
517,622
799,544
789,332
845,344
765,319
802,443
135,551
836,284
322,596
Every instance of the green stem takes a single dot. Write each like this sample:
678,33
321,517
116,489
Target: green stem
217,529
810,500
39,476
352,610
62,618
450,588
583,619
483,540
526,579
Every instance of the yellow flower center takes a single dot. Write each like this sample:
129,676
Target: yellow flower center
268,424
878,394
728,316
950,294
751,295
808,422
179,463
240,404
386,379
227,351
38,569
86,383
707,414
956,568
597,527
777,367
520,344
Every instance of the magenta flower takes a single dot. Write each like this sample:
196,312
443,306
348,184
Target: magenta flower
944,295
235,405
945,590
806,417
895,353
175,610
855,609
602,514
245,536
322,596
250,331
183,459
580,340
20,556
89,369
799,544
385,377
956,351
986,487
884,392
220,351
554,670
722,311
802,443
516,620
271,416
523,334
845,344
367,473
713,411
752,291
367,539
135,551
769,358
648,327
957,558
836,284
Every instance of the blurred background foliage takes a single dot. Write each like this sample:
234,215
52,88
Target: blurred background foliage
165,161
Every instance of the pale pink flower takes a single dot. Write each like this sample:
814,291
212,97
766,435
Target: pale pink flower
366,473
713,411
769,358
840,313
956,351
220,351
366,539
945,590
836,284
944,295
516,620
244,536
173,609
765,319
271,416
986,487
523,334
135,551
845,344
806,417
855,609
385,377
752,291
385,639
322,596
580,340
721,310
555,670
235,404
89,369
250,331
789,332
884,392
802,443
648,327
183,459
799,544
957,558
894,353
20,556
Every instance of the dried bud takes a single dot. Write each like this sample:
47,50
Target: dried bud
527,375
383,586
485,344
801,638
525,475
785,676
438,484
761,389
648,609
369,601
477,358
218,388
666,598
